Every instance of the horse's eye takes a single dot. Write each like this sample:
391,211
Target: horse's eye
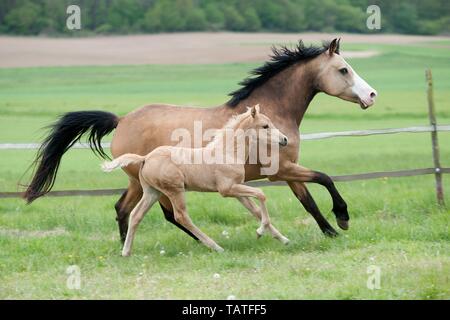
344,71
266,127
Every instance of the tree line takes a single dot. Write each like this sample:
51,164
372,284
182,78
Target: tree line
33,17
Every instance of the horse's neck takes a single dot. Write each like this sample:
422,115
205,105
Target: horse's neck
287,95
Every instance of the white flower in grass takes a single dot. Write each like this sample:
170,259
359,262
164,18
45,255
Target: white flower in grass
225,234
216,276
231,297
162,252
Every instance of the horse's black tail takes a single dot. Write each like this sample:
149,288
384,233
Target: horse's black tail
64,133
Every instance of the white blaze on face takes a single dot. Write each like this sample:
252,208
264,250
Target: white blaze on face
365,93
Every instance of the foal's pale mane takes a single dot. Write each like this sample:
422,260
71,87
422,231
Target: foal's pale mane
231,124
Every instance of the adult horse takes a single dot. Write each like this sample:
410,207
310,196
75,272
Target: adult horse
284,87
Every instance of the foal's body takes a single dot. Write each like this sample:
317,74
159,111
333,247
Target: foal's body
164,171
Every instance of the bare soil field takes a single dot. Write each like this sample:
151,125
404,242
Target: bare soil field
172,48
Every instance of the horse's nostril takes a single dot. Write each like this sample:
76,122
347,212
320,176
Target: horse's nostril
373,95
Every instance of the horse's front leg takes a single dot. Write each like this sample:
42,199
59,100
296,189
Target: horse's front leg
303,195
292,172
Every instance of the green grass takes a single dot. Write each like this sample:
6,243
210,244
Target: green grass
395,223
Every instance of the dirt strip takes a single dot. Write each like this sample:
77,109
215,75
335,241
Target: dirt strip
172,48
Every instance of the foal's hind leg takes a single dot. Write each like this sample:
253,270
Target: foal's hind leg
250,205
149,197
182,217
167,209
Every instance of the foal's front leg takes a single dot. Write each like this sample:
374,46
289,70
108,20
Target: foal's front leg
256,211
241,190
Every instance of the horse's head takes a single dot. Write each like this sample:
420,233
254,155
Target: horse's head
337,78
263,128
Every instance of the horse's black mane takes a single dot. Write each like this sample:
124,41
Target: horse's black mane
280,59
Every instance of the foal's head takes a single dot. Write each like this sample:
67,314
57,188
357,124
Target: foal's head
260,127
337,78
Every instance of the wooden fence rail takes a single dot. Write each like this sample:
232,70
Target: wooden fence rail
304,137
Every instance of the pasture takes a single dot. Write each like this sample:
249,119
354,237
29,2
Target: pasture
395,223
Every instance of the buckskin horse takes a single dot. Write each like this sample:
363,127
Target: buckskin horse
283,86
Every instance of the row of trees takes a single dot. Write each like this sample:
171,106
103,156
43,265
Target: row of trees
134,16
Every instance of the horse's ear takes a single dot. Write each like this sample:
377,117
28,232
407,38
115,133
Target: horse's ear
334,47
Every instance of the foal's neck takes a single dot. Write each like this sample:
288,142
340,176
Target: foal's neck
232,142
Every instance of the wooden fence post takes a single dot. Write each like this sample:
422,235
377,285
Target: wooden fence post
434,139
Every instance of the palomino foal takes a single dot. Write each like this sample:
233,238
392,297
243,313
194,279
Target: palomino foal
165,171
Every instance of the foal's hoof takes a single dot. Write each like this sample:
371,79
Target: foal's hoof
343,224
259,233
284,240
126,254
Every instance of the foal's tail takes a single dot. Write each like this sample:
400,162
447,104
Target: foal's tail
64,133
122,161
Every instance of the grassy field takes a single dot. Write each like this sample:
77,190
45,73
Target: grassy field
395,223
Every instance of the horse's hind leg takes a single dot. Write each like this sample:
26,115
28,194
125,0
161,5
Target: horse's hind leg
167,209
182,217
253,208
125,205
149,197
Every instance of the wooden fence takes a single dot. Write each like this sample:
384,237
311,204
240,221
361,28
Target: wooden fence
433,128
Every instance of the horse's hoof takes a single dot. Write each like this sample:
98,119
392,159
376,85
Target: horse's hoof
258,234
219,249
343,224
330,233
285,241
126,254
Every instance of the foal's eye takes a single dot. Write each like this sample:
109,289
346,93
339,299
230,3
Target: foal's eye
266,127
343,71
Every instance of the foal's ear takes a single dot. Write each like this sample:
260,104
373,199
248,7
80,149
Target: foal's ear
334,46
255,110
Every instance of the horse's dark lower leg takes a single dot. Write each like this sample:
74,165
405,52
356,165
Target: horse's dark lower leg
339,205
169,215
125,205
122,217
302,194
